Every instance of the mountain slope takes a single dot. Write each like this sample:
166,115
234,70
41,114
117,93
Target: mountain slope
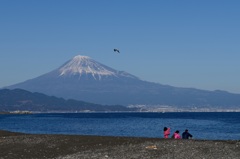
85,79
18,99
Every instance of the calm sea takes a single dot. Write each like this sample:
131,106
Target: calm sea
214,126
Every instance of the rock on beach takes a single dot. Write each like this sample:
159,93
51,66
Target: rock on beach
22,146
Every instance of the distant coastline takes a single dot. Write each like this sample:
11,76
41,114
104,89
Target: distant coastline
140,111
16,112
20,101
166,108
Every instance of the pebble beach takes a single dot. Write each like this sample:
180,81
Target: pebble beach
23,146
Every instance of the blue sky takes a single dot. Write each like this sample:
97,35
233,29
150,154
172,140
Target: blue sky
183,43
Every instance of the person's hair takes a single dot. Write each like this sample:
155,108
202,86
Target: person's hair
177,131
186,130
165,128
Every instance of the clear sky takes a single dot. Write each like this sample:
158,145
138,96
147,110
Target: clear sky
183,43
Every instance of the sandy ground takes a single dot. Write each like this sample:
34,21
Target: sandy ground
24,146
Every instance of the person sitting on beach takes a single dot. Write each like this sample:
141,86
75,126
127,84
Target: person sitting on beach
186,135
176,135
166,132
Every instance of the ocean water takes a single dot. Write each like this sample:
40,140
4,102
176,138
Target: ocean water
213,126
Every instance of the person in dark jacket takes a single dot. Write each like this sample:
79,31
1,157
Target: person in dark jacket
186,135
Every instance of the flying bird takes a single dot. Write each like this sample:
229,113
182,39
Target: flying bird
116,50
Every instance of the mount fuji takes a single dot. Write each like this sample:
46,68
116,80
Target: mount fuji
85,67
85,79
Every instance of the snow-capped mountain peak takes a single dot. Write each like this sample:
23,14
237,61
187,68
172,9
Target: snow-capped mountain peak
80,65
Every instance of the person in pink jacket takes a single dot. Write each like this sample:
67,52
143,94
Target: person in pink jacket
166,132
176,135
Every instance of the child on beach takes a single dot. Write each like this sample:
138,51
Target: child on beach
176,135
166,132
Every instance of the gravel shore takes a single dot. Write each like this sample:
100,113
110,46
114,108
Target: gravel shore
24,146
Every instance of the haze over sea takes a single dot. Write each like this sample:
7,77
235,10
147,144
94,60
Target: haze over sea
204,125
